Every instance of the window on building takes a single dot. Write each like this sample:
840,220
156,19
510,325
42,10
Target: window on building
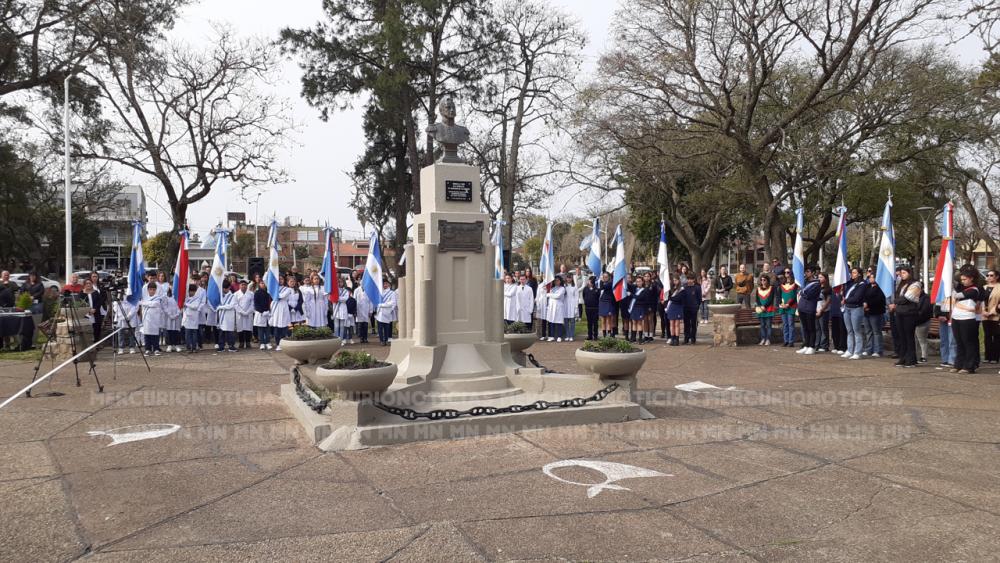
981,261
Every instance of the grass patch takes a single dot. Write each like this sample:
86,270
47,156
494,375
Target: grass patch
518,328
349,359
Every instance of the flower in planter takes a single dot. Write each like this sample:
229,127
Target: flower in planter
518,328
609,346
348,359
303,332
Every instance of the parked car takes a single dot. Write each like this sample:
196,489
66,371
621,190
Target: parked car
21,279
102,275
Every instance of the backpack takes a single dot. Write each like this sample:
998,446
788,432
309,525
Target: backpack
924,309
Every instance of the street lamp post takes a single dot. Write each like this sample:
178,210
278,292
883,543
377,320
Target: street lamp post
925,214
66,187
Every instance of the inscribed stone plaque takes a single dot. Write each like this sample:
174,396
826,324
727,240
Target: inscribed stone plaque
457,190
467,237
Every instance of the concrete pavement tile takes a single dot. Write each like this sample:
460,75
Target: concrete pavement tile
442,542
663,433
326,467
531,493
930,465
37,525
24,460
740,462
276,508
581,441
441,461
618,536
113,504
24,426
374,545
837,440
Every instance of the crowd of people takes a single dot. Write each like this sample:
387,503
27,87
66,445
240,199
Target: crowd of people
246,316
813,317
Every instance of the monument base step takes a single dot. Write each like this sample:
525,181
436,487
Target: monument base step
435,399
474,384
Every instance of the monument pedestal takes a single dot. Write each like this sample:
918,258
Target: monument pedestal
451,354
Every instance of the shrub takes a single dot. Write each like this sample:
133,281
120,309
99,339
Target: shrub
517,328
610,346
724,302
23,302
303,332
348,359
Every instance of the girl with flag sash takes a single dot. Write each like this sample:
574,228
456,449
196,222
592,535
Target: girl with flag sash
191,317
675,309
637,310
555,310
317,302
570,307
904,304
764,298
244,315
296,303
605,304
280,316
226,322
965,314
340,313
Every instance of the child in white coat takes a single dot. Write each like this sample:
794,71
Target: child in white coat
151,314
172,322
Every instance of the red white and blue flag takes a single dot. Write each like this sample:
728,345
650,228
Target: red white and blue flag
662,260
618,281
329,268
547,262
944,273
181,271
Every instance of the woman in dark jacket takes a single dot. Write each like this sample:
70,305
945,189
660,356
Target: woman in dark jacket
874,307
906,296
675,309
591,305
606,304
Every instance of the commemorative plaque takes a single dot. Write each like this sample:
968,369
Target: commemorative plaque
456,190
455,236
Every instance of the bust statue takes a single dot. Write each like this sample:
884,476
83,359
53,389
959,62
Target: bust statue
447,132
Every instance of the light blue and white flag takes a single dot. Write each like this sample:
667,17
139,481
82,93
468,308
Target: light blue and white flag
663,261
798,258
885,272
136,266
271,275
547,263
840,272
618,279
592,244
371,281
497,241
218,274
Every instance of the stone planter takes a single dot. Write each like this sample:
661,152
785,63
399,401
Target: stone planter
723,308
519,342
371,380
306,351
611,364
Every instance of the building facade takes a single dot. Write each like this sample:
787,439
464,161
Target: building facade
115,225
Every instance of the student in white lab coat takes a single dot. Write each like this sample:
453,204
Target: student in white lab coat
191,317
126,317
510,304
555,313
151,314
570,308
525,298
227,319
280,318
172,323
262,315
386,313
296,303
317,302
209,331
340,313
363,313
244,315
541,307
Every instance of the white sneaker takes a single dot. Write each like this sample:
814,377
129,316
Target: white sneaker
121,351
864,353
262,347
801,350
767,343
761,343
131,350
270,347
809,352
277,348
845,355
876,355
559,339
855,357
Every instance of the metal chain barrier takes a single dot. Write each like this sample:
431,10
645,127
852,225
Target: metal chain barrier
305,395
410,414
534,362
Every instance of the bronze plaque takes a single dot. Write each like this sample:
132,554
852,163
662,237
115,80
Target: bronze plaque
465,237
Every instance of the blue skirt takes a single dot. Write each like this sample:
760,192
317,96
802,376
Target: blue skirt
675,311
638,311
606,309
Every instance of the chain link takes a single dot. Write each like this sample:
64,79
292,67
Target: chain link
305,395
448,414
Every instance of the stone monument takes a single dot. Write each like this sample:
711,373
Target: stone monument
450,352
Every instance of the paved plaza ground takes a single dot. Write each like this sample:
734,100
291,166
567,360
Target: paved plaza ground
813,458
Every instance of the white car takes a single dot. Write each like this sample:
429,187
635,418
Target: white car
21,279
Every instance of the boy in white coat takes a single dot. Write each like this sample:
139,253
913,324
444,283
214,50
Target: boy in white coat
227,319
510,303
386,313
363,314
172,323
151,314
525,298
244,315
127,319
191,318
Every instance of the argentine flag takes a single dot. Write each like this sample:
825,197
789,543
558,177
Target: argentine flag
798,259
497,241
218,269
272,273
885,272
371,282
546,264
662,260
840,272
592,243
136,266
181,271
618,281
944,273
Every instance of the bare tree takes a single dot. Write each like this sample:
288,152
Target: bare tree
524,96
191,119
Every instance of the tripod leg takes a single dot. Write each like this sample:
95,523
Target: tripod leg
93,371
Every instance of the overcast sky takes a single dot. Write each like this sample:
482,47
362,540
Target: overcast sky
319,189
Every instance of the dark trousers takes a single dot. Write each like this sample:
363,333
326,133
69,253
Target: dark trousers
690,324
152,342
173,337
227,337
384,331
808,329
906,330
363,331
98,325
191,338
823,331
592,324
894,329
991,340
246,338
967,341
838,333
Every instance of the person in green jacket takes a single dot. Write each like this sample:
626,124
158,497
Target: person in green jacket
764,299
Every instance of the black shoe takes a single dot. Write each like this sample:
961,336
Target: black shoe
894,356
923,360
